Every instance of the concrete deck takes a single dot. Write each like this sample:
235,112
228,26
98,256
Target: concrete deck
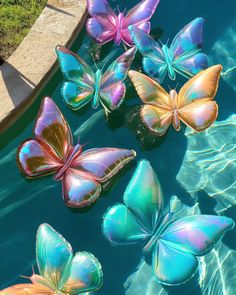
27,70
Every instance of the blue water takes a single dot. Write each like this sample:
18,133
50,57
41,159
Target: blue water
25,204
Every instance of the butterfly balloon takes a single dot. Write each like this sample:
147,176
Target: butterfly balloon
104,25
183,56
193,105
175,243
52,151
83,85
61,272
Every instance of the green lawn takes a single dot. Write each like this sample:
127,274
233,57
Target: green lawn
16,18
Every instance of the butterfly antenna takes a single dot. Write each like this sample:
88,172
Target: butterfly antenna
161,42
94,62
169,87
177,85
117,7
167,41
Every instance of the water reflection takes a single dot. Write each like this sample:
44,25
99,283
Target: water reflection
217,278
223,52
210,163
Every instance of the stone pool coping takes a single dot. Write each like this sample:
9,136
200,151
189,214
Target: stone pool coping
27,70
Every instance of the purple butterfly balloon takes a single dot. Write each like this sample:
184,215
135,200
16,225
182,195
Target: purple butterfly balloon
52,151
104,25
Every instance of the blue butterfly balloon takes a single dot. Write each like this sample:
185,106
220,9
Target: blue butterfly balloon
83,85
175,241
183,56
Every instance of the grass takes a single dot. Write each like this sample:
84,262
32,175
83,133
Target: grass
16,19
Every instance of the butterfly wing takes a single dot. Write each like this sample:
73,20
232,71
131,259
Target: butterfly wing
27,289
157,111
35,159
54,256
103,23
185,49
103,163
195,105
136,219
139,17
79,189
53,141
154,63
79,88
112,89
85,274
174,258
191,66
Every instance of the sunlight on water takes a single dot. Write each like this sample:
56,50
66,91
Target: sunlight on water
218,269
210,163
223,52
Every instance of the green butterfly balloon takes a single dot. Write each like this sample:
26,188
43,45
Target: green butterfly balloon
61,272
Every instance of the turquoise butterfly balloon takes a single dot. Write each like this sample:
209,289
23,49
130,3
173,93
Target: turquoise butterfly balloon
184,55
82,85
175,242
61,272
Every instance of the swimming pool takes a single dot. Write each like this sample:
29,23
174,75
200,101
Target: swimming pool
26,204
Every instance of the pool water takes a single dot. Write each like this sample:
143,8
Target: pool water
25,204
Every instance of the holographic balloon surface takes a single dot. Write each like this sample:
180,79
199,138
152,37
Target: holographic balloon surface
175,242
183,56
61,272
83,85
104,25
193,105
52,151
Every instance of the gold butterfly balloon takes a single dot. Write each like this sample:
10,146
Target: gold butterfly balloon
193,105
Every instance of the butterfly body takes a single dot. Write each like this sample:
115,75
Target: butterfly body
83,85
183,56
193,104
52,152
96,98
169,61
76,151
105,25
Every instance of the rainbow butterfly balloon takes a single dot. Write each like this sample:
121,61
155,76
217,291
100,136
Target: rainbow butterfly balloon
193,105
52,151
104,25
83,85
61,272
183,56
175,243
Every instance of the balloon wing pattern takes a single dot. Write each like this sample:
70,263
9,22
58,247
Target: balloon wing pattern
176,244
61,272
193,105
52,151
105,26
83,85
184,55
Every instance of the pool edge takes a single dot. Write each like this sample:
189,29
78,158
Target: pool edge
33,63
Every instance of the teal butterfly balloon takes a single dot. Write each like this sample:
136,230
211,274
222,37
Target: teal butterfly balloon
82,85
175,242
61,272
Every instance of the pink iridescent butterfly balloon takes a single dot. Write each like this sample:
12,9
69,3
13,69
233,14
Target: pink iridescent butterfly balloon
52,151
104,25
